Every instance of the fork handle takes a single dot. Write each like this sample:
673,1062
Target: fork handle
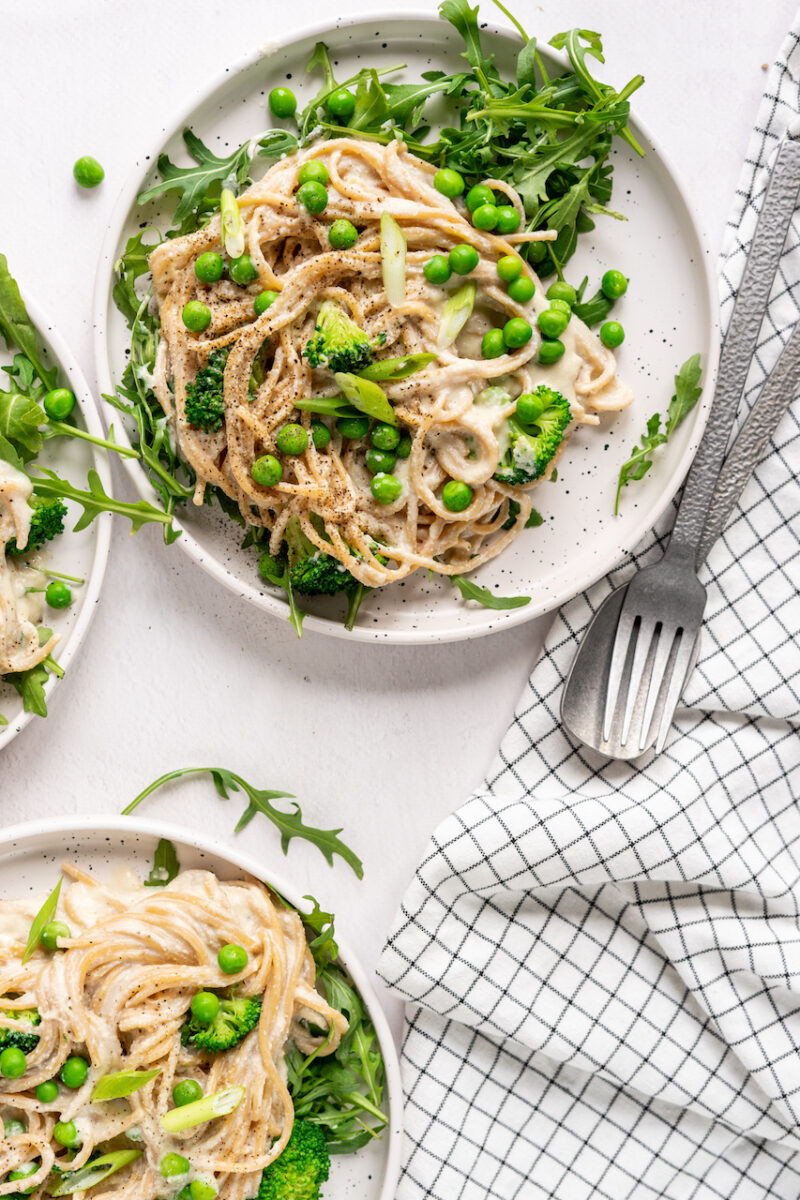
740,342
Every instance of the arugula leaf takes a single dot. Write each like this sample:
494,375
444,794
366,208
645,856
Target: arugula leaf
194,183
471,591
165,865
276,572
277,143
42,918
594,310
9,454
323,947
687,393
17,327
20,418
97,500
290,825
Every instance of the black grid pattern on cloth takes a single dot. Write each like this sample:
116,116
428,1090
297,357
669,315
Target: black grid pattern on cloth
602,960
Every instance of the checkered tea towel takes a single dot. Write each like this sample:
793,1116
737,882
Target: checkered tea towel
602,961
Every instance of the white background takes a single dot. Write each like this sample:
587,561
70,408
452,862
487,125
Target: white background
176,672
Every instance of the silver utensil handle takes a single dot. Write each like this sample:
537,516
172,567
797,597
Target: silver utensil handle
751,441
740,341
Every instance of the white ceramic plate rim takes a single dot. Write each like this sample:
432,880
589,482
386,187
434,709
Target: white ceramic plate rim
264,600
90,592
100,825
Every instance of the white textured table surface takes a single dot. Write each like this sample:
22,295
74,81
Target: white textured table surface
383,741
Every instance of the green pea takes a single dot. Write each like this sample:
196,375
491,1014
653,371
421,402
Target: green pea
292,439
450,183
204,1006
186,1092
561,290
612,334
508,219
22,1173
282,102
522,290
463,259
509,268
385,437
196,316
66,1134
267,471
353,428
59,403
552,323
263,300
342,234
380,461
52,931
232,959
47,1092
58,595
313,169
613,285
74,1071
437,269
13,1128
456,496
403,447
200,1190
537,252
243,270
485,217
516,333
561,306
173,1164
87,172
320,434
478,195
341,104
386,488
529,408
313,197
209,267
12,1062
492,344
551,352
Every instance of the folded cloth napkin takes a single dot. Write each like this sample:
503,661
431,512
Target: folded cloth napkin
602,960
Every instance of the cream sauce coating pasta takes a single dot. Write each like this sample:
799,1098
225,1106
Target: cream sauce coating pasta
118,995
451,434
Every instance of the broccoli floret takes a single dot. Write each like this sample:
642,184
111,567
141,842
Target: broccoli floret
312,572
302,1168
46,523
531,446
338,343
26,1042
205,406
237,1016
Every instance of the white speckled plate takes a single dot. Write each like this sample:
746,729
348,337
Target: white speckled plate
30,856
81,554
670,312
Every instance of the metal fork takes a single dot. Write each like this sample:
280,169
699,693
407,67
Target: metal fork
662,612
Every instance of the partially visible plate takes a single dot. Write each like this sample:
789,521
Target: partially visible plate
30,856
81,554
670,312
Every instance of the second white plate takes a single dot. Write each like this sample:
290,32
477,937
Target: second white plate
669,313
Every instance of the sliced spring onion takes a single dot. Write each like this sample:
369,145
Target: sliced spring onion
393,260
122,1083
456,313
327,406
231,224
42,918
219,1104
95,1172
396,368
367,397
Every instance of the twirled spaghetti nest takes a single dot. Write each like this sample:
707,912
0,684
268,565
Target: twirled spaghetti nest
451,435
119,993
